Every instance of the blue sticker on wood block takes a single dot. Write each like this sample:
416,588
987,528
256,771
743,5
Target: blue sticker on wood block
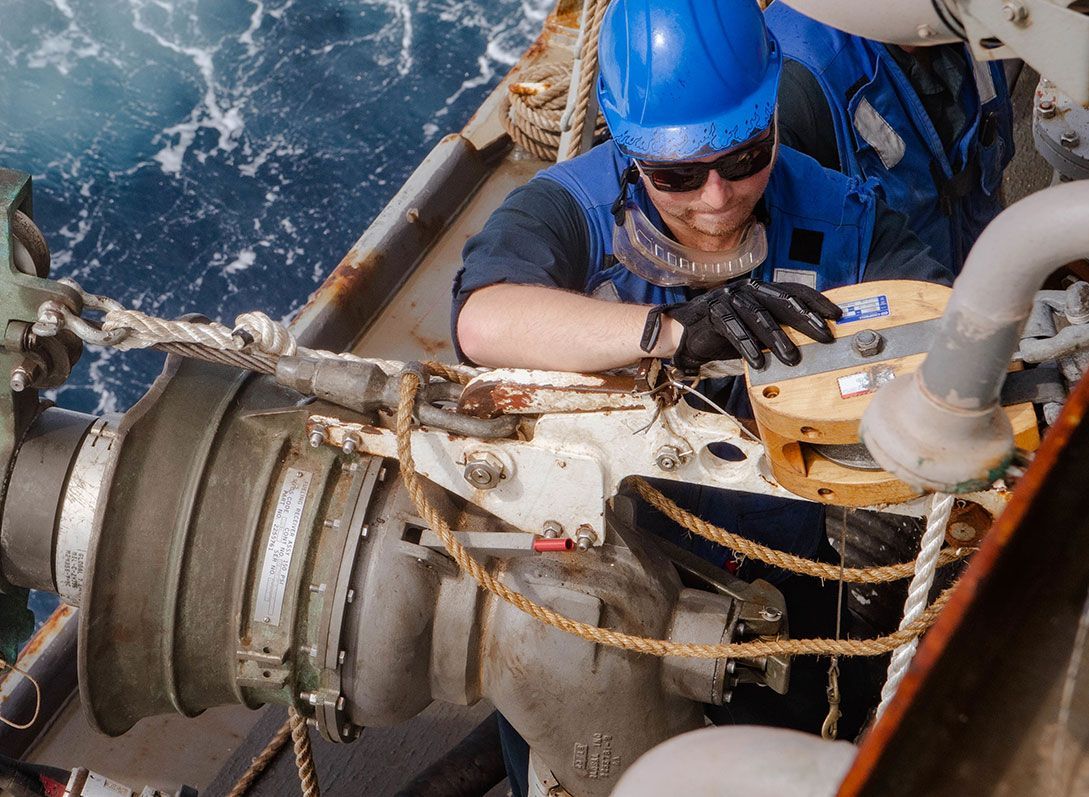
864,309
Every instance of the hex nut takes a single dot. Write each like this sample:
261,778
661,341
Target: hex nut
1046,108
669,458
585,537
1014,11
1070,139
483,471
867,343
551,529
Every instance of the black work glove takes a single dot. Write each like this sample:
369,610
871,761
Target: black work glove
745,317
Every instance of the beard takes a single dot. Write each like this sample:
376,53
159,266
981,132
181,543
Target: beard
722,225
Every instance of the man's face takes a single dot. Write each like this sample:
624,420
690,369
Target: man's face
710,217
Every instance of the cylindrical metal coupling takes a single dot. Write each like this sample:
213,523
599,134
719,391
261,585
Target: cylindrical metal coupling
54,492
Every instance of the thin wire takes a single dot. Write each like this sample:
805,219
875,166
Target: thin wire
37,697
842,559
745,432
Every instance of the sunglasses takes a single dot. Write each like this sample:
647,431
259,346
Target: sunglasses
735,165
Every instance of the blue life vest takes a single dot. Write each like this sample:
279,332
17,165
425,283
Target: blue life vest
883,132
819,230
820,224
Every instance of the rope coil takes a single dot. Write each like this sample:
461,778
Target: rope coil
532,109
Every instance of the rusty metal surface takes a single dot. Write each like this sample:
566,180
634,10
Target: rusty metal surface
415,323
392,247
547,391
50,657
978,709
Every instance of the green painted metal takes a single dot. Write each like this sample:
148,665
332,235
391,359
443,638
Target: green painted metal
20,297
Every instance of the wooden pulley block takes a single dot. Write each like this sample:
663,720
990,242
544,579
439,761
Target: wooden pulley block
808,414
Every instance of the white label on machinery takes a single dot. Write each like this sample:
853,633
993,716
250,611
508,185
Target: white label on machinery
281,544
864,309
96,786
863,382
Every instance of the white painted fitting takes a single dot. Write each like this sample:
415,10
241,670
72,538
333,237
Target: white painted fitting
911,22
942,428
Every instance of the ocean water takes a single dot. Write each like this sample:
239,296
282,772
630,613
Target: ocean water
218,156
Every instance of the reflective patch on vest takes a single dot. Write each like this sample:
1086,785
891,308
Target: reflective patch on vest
984,81
606,291
804,276
879,134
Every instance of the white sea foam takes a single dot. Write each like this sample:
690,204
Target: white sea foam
225,119
244,259
256,18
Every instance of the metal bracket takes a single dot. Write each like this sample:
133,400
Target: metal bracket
573,462
20,296
1047,34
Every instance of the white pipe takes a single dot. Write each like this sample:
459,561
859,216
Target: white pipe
910,22
942,428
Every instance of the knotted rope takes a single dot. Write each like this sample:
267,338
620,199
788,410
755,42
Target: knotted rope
535,110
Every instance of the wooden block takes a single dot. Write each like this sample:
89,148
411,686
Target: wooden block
795,414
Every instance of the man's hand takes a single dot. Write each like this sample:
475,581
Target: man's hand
743,318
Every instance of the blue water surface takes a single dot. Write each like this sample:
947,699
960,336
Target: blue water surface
218,156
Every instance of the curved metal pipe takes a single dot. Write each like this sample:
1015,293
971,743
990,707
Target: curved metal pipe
942,428
910,22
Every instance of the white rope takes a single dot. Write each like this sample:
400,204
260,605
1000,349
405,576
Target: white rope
925,567
147,331
267,335
253,332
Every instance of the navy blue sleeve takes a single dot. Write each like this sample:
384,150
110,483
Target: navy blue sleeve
538,236
805,120
897,253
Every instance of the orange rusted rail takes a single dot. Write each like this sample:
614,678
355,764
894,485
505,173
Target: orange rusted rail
977,712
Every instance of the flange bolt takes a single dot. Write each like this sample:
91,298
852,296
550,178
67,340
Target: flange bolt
20,379
867,343
585,537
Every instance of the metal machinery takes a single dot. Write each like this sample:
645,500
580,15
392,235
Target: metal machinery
243,539
268,553
235,538
977,714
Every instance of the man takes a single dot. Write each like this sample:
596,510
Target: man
931,125
623,252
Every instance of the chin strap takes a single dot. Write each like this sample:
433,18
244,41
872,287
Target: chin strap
629,177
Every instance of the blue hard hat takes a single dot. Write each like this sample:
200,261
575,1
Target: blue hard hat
682,79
